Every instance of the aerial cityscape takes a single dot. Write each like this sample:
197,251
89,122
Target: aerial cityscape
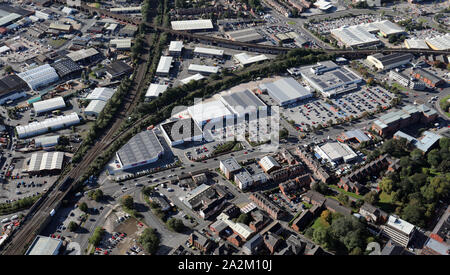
225,127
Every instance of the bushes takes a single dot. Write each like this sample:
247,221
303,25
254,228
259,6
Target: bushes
73,226
96,238
149,240
175,225
25,203
127,202
96,195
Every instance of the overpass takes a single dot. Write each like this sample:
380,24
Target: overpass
226,43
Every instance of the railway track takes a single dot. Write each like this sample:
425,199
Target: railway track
39,214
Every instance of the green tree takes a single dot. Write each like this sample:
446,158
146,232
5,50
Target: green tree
127,202
73,226
175,224
244,218
9,69
434,158
326,216
84,207
371,197
149,240
321,236
414,213
386,185
343,198
97,236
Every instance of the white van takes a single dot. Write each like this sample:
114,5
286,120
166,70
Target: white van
5,220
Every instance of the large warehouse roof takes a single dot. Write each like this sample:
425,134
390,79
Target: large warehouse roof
82,54
242,102
205,111
439,42
124,43
54,123
95,107
143,146
176,46
385,27
245,35
40,76
416,44
44,246
101,94
286,90
202,24
155,90
203,69
354,36
190,78
333,151
66,67
49,104
246,59
11,83
46,161
9,19
164,64
208,51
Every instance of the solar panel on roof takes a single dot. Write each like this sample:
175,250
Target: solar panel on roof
341,76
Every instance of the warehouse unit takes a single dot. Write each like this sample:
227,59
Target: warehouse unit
441,43
180,131
50,124
245,59
192,25
94,107
213,112
389,61
406,81
85,56
164,65
39,77
123,44
118,69
208,52
335,152
330,79
416,44
243,103
126,10
286,91
175,48
46,142
249,35
101,94
154,90
12,87
44,246
143,148
67,69
203,69
386,28
427,77
355,36
45,162
194,77
424,143
49,105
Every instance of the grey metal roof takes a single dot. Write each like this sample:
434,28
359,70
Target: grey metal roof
242,99
286,89
44,246
358,134
141,147
394,58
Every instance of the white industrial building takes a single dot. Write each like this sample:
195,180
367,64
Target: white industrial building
121,43
48,161
329,78
268,164
49,124
243,102
192,25
416,44
335,152
137,9
190,78
164,65
441,43
44,246
389,61
48,141
208,52
245,59
40,76
49,105
101,94
355,36
175,48
143,148
154,90
286,91
180,131
203,69
213,111
95,107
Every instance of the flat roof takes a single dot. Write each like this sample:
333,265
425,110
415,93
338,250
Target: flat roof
143,146
66,66
354,35
44,246
155,90
124,43
49,104
209,51
245,35
335,150
186,130
231,164
242,102
102,93
200,24
82,54
46,161
439,42
286,89
208,110
164,64
400,225
204,68
193,77
414,43
175,46
246,59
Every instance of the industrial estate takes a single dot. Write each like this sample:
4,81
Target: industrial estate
225,127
